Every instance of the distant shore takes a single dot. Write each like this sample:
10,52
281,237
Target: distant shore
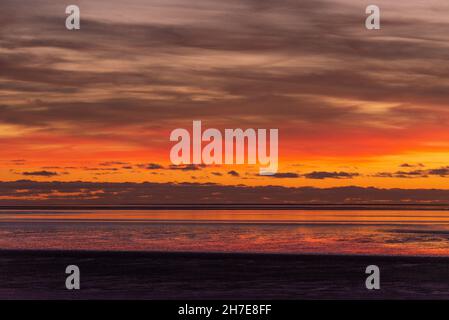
35,274
281,206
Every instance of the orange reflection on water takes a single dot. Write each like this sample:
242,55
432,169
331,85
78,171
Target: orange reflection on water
383,232
261,216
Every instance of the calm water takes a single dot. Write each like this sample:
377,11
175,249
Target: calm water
294,231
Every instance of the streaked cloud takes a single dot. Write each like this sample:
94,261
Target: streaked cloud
40,173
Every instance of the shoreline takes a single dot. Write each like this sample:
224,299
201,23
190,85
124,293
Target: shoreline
217,255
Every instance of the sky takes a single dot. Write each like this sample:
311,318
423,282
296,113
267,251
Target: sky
354,107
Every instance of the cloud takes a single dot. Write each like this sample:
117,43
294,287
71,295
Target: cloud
153,166
384,175
112,163
186,167
410,174
17,162
402,174
233,173
99,169
330,175
442,172
40,173
284,175
406,165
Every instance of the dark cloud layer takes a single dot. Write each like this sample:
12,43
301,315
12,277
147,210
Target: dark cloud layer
347,63
73,193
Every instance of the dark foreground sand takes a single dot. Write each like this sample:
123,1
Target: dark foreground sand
139,275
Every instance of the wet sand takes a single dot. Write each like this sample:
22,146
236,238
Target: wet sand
34,274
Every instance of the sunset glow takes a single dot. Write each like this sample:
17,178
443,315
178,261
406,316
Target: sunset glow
353,108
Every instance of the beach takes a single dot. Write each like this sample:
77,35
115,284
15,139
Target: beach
40,274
